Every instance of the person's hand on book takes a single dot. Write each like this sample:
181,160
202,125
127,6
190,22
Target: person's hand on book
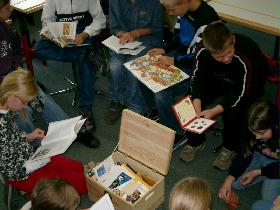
36,134
166,60
128,37
81,37
156,51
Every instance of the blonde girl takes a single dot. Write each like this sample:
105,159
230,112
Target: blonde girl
16,91
191,193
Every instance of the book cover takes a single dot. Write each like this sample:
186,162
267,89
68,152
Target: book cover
155,76
186,116
132,48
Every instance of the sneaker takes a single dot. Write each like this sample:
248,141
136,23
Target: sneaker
179,141
89,123
114,112
86,137
188,153
224,158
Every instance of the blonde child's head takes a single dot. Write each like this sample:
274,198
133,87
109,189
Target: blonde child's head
54,194
18,84
191,193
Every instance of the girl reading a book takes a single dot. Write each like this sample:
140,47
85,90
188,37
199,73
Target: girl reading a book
260,158
191,193
16,91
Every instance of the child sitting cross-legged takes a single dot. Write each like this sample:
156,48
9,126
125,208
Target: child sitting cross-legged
16,90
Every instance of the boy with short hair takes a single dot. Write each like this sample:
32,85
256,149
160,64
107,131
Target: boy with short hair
230,69
195,15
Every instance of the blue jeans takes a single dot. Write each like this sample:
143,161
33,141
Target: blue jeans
270,187
164,100
51,112
123,86
86,73
262,205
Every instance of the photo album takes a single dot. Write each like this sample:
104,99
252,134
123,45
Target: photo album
155,76
131,48
186,115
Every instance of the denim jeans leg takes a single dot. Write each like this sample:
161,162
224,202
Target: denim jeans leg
255,164
135,99
117,77
87,78
52,111
262,205
258,161
164,101
270,189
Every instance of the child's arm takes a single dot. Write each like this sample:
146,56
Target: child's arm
225,189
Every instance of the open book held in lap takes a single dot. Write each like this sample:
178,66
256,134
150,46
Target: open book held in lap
186,115
132,48
61,33
59,137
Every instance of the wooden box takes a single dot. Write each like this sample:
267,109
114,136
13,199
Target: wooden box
146,146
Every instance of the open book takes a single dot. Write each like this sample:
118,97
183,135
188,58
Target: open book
60,136
61,33
132,48
155,76
186,115
103,203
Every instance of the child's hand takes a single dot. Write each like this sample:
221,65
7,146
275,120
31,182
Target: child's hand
211,113
156,51
250,176
166,60
80,38
233,202
129,36
225,189
267,151
36,134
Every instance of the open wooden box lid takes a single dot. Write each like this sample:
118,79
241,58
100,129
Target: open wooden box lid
146,141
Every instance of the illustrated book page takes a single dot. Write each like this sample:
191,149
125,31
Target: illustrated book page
61,33
155,76
187,118
103,203
132,48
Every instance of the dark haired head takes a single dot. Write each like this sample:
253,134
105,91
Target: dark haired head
217,37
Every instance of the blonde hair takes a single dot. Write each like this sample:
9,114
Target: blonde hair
191,193
54,194
170,2
19,83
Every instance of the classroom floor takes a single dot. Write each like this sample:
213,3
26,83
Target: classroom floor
52,76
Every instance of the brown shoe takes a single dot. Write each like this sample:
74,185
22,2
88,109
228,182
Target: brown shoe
224,158
114,112
188,153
